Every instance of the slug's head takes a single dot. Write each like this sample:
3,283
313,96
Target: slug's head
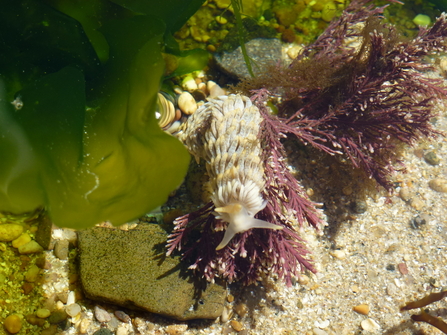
239,220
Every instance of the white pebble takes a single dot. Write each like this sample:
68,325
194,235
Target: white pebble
339,254
102,315
71,299
187,103
370,325
73,310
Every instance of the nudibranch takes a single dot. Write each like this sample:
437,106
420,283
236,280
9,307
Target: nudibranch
224,132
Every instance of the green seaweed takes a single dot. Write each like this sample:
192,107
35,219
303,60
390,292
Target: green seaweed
78,88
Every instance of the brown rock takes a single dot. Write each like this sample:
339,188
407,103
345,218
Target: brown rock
134,261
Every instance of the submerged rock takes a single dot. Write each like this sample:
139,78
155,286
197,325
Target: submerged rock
130,269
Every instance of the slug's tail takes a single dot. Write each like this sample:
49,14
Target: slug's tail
239,221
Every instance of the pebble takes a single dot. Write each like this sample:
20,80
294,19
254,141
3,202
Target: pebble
403,269
32,274
21,240
405,194
120,315
236,325
51,330
13,323
361,309
102,315
43,313
32,247
189,84
187,103
339,254
73,309
214,89
10,231
176,329
34,320
57,317
370,325
438,185
432,158
61,249
417,203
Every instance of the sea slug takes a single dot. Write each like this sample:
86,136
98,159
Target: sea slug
224,132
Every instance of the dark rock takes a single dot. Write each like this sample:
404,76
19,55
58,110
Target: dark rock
262,52
130,269
43,233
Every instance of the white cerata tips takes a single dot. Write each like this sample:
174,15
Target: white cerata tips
224,132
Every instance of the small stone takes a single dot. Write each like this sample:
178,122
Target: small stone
189,84
417,203
370,325
339,254
32,247
27,288
9,232
361,309
73,309
57,317
236,325
32,274
61,249
43,313
21,240
187,103
13,323
102,315
405,193
432,158
176,329
437,184
120,315
34,320
214,89
103,331
403,269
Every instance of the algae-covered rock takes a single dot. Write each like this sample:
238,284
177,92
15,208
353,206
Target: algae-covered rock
130,269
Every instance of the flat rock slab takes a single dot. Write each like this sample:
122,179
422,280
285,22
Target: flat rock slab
130,269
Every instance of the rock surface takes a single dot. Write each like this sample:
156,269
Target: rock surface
262,52
130,269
